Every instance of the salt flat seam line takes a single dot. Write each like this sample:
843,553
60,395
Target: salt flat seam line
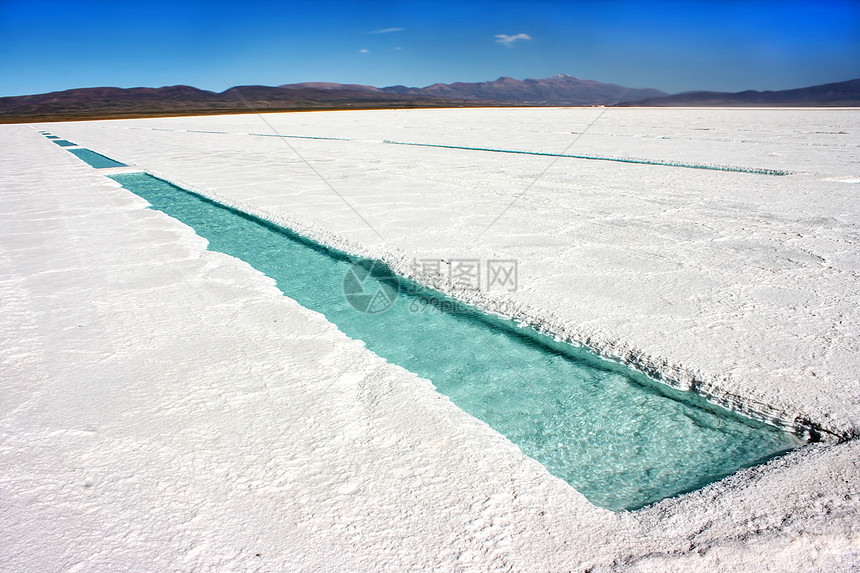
551,163
311,167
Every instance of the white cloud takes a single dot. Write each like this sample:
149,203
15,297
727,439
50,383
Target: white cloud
387,30
364,51
509,41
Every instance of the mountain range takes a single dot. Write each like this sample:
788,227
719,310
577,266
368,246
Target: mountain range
558,90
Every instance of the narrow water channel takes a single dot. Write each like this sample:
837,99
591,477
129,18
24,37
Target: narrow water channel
619,438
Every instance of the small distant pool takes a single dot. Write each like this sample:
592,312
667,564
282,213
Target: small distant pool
96,160
618,437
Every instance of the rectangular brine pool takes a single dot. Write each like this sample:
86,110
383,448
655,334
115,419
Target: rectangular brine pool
94,159
89,157
620,438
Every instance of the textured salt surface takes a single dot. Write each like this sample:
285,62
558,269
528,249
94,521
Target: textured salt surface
164,408
739,286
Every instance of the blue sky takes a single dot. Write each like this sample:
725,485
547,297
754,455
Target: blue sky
674,46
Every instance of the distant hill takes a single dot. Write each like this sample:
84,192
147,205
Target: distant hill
111,102
840,94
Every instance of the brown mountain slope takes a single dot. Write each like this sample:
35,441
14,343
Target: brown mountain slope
109,102
559,89
839,94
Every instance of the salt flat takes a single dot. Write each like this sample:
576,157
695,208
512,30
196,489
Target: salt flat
743,286
155,415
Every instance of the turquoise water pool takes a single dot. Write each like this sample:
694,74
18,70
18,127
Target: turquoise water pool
94,159
619,438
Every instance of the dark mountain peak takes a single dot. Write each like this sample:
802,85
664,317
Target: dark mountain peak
330,86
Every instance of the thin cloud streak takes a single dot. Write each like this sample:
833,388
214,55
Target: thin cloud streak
387,30
509,41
